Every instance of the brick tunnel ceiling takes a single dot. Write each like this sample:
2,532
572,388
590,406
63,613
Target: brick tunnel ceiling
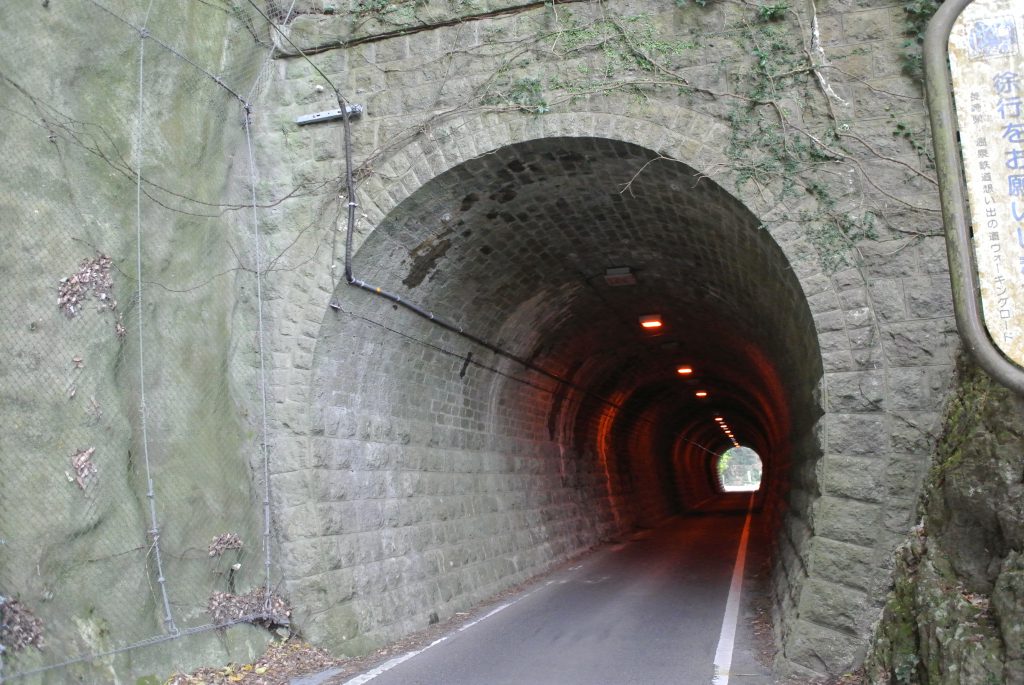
514,246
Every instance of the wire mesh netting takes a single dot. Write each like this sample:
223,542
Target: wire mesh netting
133,503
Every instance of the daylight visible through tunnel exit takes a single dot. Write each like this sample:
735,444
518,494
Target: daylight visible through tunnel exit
739,470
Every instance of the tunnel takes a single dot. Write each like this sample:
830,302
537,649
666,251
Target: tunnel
452,461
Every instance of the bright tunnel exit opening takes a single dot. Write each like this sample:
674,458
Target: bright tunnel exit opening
739,470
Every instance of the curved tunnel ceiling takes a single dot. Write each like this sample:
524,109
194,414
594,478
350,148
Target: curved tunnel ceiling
514,245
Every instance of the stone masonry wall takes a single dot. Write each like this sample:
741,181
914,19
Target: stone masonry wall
877,286
843,191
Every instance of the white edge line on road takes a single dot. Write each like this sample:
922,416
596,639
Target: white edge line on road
727,638
391,663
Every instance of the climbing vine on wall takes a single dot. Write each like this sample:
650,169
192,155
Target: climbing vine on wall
786,122
793,135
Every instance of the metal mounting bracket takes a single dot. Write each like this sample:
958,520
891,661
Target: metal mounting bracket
329,115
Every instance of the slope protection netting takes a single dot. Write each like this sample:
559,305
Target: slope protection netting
133,499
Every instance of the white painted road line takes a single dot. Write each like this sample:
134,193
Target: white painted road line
391,663
727,638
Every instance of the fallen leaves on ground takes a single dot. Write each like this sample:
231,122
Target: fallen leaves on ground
224,542
19,627
225,607
93,275
85,468
281,662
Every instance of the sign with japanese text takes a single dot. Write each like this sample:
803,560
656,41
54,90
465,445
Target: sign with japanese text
988,88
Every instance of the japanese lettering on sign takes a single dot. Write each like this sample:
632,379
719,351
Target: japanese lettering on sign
988,87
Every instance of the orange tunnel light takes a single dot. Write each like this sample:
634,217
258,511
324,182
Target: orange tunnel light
650,321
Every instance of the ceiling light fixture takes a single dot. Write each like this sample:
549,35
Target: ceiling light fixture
701,393
617,276
650,321
684,370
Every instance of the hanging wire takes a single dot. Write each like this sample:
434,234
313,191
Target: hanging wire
264,452
154,529
148,642
264,448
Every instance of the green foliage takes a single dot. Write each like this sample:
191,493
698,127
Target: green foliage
626,44
914,137
773,12
373,6
723,462
525,93
764,149
834,235
904,668
917,12
604,51
394,11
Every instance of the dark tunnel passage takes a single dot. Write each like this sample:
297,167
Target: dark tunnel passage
553,250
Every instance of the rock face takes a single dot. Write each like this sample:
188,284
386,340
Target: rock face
956,613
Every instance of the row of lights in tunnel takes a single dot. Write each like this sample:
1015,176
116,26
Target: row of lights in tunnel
653,322
728,431
624,276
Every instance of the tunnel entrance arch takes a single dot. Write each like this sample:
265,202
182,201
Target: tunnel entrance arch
482,469
415,436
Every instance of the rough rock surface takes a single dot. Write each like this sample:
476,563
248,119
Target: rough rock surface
955,612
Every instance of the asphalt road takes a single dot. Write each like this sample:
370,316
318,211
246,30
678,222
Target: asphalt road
647,611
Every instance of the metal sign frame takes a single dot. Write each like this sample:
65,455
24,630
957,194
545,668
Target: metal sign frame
963,267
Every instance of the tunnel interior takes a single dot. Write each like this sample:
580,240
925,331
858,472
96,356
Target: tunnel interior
481,467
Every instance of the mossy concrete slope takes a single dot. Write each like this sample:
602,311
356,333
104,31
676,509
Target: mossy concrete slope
77,543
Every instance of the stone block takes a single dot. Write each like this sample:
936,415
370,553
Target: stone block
856,60
892,258
842,562
934,257
822,649
852,477
823,302
830,321
929,297
863,337
837,361
857,434
834,341
900,513
839,607
918,388
847,520
914,432
862,391
887,298
860,27
831,30
921,343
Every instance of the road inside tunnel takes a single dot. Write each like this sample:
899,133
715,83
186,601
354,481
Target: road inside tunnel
648,610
